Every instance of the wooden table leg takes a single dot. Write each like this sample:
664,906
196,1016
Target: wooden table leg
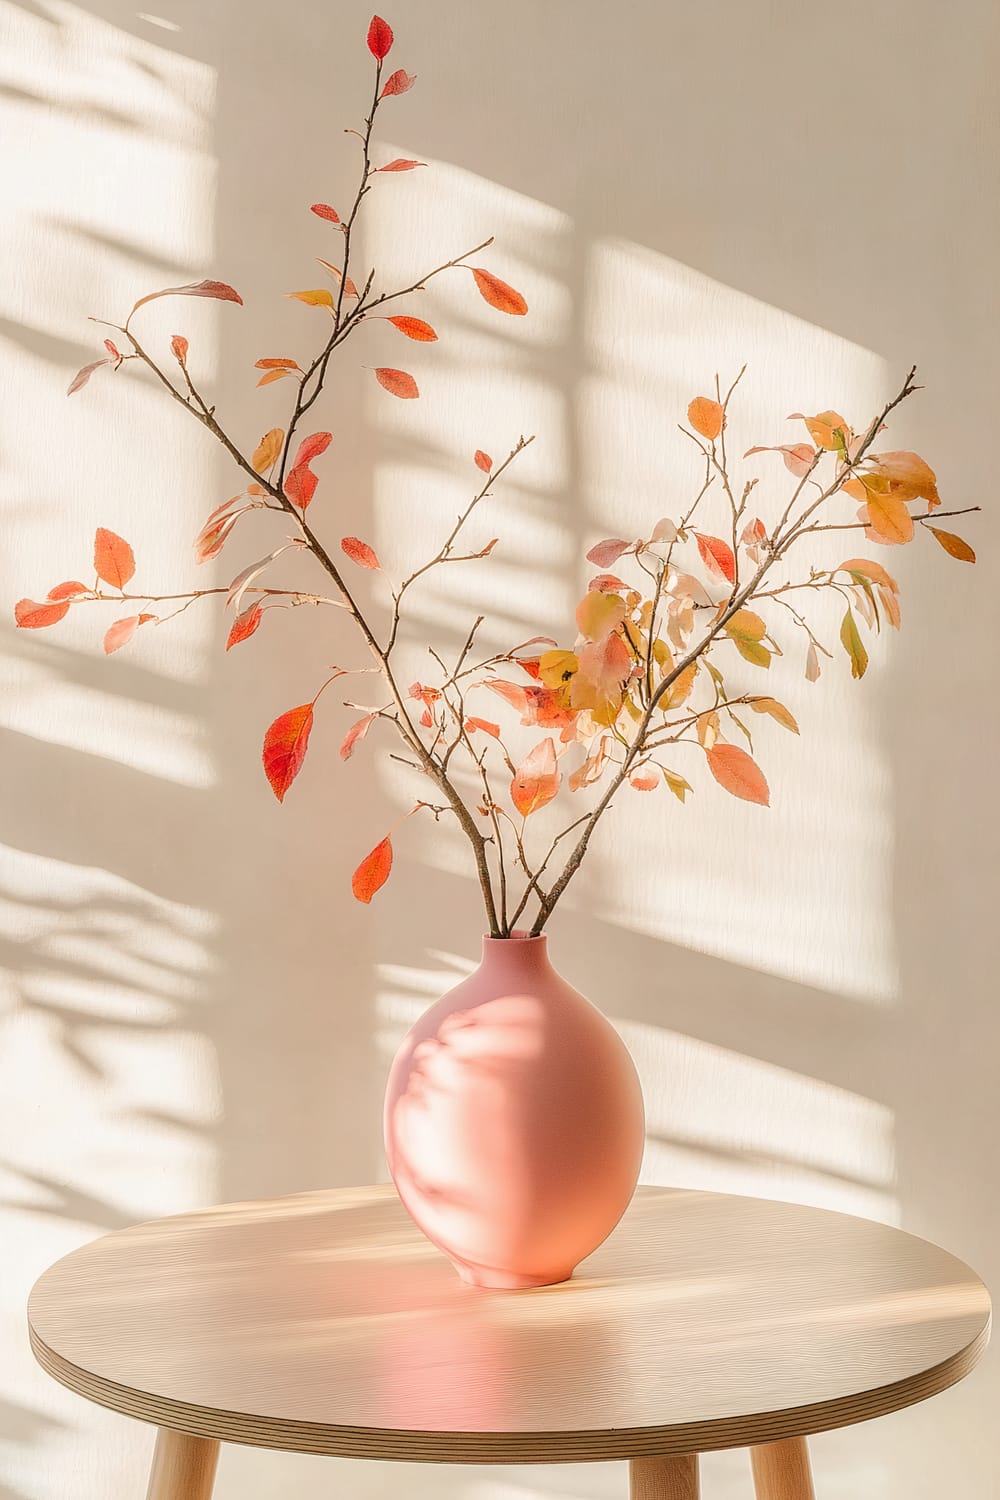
183,1466
781,1471
664,1478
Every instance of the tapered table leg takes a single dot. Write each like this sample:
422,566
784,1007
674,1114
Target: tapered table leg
664,1478
781,1471
183,1466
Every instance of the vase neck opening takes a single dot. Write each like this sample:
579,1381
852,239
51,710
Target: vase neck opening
520,950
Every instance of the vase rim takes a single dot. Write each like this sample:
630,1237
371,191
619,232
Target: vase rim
519,935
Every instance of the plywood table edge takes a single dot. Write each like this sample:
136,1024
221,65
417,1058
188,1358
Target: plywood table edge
587,1446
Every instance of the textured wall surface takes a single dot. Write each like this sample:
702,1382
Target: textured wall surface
194,1009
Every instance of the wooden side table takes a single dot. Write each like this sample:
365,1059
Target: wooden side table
325,1323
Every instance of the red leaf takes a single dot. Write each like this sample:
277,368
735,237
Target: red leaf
312,447
285,745
120,633
401,164
397,382
373,872
644,782
244,625
414,328
399,82
114,560
606,583
112,349
355,734
217,289
379,37
68,590
179,348
82,376
483,461
325,212
300,485
359,552
603,554
734,770
213,535
32,616
486,725
717,556
498,294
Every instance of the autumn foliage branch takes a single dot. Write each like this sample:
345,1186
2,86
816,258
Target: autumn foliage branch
638,686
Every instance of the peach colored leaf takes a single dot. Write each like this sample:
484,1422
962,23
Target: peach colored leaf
82,376
598,614
498,294
285,745
120,633
483,461
862,567
664,531
373,872
379,38
275,364
954,545
606,583
644,782
70,590
350,290
414,328
603,554
812,663
244,625
401,164
217,289
717,556
890,604
272,375
734,770
776,711
889,520
677,784
681,688
798,457
268,450
599,682
910,476
114,560
852,643
536,780
824,427
324,211
214,534
317,297
30,615
360,552
397,383
355,735
707,728
706,417
179,348
399,82
593,767
486,725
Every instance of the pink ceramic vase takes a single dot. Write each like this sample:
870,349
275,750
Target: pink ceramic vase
514,1122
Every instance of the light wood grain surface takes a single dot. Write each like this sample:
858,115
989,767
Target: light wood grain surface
325,1323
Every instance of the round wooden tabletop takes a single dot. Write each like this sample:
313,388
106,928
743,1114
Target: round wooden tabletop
326,1323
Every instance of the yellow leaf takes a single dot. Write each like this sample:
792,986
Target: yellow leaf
555,668
853,645
597,614
267,450
776,711
677,784
827,429
706,417
679,690
745,623
321,297
753,652
889,519
954,545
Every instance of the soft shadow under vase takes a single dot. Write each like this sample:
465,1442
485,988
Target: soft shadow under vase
514,1121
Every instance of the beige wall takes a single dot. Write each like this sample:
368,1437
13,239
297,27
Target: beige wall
194,1009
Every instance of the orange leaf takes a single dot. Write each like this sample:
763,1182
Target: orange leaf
324,211
359,552
114,560
379,38
498,294
285,745
397,383
217,289
706,417
272,376
32,616
355,734
889,520
68,590
179,348
776,711
823,429
486,725
275,364
213,535
401,164
644,783
414,328
954,545
483,461
909,475
599,681
399,82
318,297
373,872
82,376
873,571
120,633
603,554
268,449
798,457
717,556
244,625
606,583
536,780
734,770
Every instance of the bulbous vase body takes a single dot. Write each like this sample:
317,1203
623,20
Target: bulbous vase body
514,1121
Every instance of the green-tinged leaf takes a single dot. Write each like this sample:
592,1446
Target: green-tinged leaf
677,784
853,644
